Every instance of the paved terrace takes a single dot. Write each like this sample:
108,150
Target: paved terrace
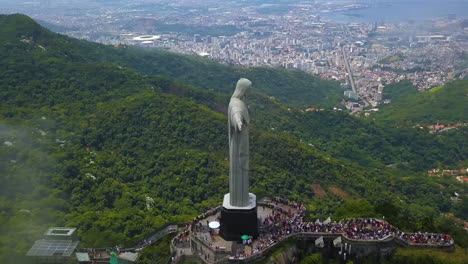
281,219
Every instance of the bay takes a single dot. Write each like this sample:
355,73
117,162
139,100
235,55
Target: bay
401,11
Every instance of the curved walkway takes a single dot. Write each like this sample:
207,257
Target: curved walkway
286,221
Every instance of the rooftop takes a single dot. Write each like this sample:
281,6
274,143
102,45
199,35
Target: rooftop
82,257
48,248
130,256
66,233
56,241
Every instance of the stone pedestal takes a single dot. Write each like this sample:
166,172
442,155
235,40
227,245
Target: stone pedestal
237,221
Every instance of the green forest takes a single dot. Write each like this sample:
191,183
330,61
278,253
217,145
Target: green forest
88,132
445,104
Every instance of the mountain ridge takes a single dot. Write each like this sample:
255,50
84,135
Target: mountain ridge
200,72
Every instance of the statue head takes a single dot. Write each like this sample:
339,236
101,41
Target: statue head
241,88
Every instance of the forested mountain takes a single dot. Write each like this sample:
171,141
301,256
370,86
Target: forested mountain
92,138
291,87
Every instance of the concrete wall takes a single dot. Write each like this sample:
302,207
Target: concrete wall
201,249
354,248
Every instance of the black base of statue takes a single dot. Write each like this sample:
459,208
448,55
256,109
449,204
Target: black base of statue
238,222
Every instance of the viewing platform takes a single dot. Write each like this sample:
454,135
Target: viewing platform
281,220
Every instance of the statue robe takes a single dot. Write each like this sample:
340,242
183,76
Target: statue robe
238,153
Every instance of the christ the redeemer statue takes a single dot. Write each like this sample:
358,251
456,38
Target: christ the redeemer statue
238,124
239,210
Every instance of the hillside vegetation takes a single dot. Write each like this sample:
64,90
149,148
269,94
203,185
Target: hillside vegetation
446,103
399,90
90,141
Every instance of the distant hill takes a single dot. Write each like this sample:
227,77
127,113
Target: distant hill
89,141
446,103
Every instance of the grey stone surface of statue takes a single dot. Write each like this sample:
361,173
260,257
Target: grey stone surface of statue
239,210
238,123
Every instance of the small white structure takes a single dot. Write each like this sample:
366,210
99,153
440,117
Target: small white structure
319,242
146,38
214,225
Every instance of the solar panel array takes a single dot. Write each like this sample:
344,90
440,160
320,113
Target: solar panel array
46,248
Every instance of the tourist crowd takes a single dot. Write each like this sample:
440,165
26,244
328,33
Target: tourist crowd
282,223
426,238
182,239
287,219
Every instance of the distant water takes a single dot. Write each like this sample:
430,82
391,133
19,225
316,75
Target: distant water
402,11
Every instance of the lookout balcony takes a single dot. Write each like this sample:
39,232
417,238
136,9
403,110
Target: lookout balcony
281,220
